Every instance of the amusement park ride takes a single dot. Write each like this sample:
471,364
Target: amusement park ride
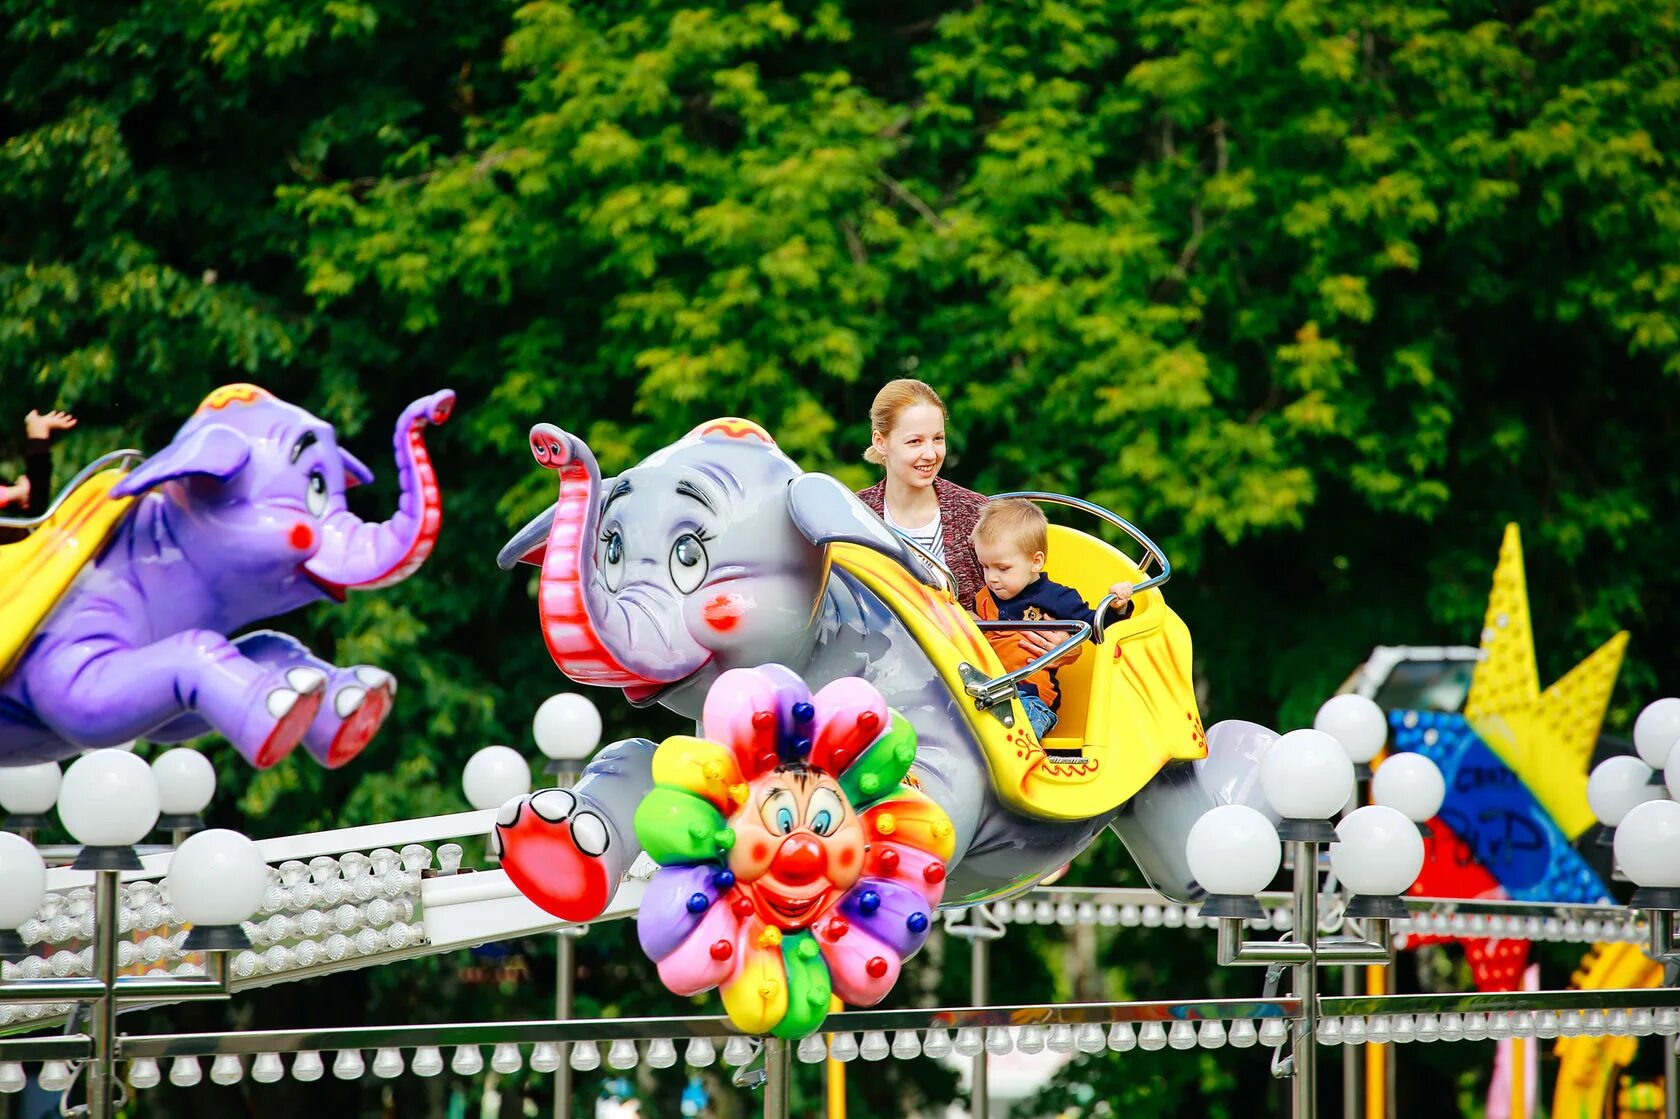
862,773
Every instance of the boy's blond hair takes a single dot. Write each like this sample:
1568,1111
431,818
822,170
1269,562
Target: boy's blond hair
1014,521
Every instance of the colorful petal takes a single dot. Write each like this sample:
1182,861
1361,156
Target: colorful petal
882,766
911,819
757,998
910,867
809,988
674,826
742,713
703,768
850,714
676,899
710,956
861,968
895,915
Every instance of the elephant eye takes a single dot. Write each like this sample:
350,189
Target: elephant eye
612,565
825,812
316,499
688,563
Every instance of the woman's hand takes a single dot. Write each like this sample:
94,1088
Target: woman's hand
1037,643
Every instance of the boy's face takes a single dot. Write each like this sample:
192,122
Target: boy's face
1007,566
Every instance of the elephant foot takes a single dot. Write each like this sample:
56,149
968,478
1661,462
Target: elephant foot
351,716
552,844
285,718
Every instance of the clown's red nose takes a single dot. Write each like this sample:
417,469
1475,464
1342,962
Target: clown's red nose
799,859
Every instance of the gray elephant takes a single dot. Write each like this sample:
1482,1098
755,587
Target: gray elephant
719,552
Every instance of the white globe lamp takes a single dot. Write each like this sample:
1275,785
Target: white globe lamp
186,781
1618,784
216,879
1357,723
108,801
23,882
1656,730
567,728
1377,855
1648,851
1412,785
1671,774
494,776
1233,852
28,793
1307,777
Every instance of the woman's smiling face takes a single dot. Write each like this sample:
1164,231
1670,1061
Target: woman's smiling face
914,449
798,846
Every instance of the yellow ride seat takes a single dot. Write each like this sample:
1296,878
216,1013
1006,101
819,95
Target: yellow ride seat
1128,706
36,571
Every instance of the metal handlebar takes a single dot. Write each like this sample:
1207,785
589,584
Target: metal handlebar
1149,546
988,693
88,471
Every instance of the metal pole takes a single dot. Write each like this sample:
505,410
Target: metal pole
102,1028
1671,1079
778,1072
565,973
980,957
1304,1094
1352,1090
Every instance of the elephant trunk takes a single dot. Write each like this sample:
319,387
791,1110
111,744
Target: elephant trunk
568,623
356,554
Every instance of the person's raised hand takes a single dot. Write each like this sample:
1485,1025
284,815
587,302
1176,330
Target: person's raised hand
39,425
18,492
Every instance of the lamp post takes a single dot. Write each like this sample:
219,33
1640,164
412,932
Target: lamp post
567,729
108,800
1233,850
1647,849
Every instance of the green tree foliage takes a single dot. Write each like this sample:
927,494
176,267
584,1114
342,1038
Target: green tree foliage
1320,295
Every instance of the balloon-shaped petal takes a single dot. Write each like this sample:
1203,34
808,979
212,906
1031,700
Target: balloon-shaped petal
896,915
742,712
674,826
757,998
709,957
809,989
876,772
908,866
850,714
702,767
676,900
911,819
861,968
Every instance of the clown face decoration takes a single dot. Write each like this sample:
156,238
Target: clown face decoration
795,863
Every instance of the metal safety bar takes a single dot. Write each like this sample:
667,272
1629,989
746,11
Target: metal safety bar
1152,549
101,463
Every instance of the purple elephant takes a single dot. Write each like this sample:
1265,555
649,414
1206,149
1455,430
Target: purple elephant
241,517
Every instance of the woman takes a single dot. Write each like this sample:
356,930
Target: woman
907,436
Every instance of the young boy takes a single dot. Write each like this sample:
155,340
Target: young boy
1010,541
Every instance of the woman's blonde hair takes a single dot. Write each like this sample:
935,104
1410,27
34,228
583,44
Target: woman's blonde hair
890,403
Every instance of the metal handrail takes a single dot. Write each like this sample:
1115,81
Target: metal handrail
1000,688
101,463
1149,546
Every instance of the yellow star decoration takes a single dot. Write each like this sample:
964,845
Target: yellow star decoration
1547,738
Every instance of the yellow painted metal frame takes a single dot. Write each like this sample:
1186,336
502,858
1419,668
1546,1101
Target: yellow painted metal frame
1587,1066
1128,705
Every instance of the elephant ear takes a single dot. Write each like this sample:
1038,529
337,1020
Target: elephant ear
213,451
826,511
356,472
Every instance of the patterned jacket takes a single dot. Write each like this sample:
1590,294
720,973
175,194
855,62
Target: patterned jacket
959,512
